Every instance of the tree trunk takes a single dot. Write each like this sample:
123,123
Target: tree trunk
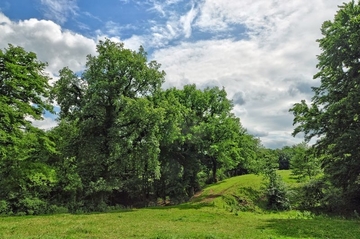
214,169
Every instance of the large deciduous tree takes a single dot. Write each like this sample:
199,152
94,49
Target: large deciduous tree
202,137
333,114
304,163
25,177
116,148
24,89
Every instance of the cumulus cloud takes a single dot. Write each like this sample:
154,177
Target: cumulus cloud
49,41
46,124
271,69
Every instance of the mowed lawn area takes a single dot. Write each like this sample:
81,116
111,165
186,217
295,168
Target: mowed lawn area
206,216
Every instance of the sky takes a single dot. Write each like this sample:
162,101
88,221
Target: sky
262,52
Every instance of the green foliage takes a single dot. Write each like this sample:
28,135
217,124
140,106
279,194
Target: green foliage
120,139
304,163
312,194
266,161
285,154
4,207
275,190
201,140
320,196
113,141
68,92
190,220
23,88
26,178
31,205
333,113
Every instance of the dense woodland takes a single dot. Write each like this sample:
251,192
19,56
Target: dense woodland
123,140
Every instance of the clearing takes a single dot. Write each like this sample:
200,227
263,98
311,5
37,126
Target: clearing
228,209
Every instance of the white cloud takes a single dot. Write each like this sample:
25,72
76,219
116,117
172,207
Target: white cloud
49,41
46,123
59,10
112,28
271,68
187,20
159,8
171,2
134,42
177,25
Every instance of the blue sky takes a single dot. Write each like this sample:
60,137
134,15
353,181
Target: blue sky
263,52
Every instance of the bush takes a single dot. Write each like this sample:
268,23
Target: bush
54,209
32,206
312,194
320,194
4,207
276,192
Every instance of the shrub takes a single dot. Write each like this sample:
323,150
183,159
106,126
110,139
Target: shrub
276,192
312,194
321,194
4,207
54,209
32,206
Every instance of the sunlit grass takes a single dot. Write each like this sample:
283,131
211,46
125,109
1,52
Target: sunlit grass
204,217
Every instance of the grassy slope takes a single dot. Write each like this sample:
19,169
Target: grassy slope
203,217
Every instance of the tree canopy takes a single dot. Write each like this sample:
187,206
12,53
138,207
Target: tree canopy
23,88
333,114
120,140
24,91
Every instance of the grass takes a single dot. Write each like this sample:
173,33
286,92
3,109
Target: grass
203,217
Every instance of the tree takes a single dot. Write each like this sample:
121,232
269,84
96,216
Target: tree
274,188
25,177
200,140
24,89
116,148
285,155
333,115
218,133
304,163
69,92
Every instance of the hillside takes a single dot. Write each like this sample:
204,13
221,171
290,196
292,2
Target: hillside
241,193
203,217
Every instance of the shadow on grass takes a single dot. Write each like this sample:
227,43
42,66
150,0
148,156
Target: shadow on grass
125,210
314,228
185,206
120,211
205,198
293,177
254,195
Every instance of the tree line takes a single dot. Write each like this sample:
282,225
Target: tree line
120,138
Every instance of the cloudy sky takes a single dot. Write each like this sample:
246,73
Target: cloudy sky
263,52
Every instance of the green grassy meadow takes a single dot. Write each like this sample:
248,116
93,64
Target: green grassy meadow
210,214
